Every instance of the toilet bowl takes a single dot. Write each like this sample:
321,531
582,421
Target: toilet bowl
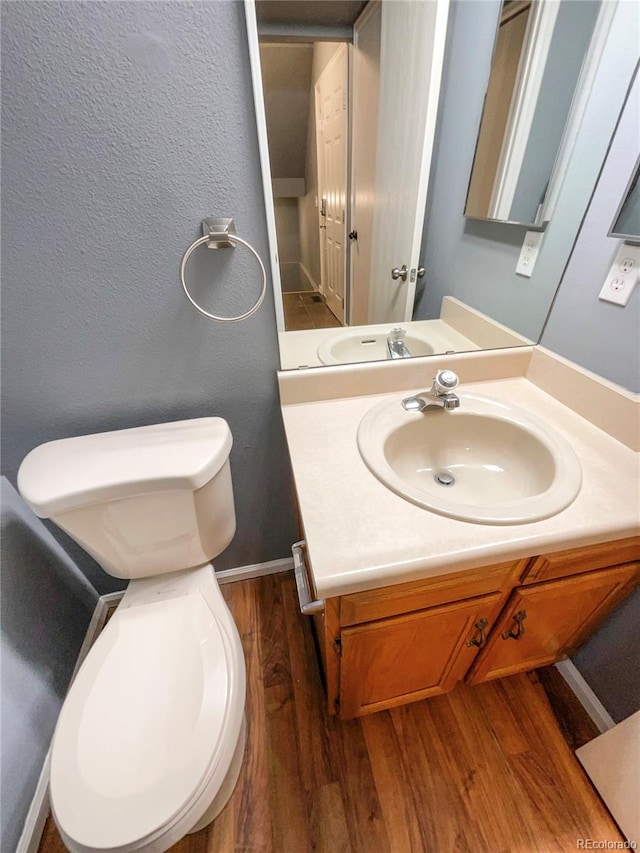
150,739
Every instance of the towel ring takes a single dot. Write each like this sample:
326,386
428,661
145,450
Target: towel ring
221,239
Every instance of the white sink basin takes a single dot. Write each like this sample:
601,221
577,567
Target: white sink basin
360,344
484,462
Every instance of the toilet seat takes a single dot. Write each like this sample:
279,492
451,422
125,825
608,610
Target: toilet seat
130,765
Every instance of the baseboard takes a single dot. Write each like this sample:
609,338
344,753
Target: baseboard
257,570
585,695
37,814
308,276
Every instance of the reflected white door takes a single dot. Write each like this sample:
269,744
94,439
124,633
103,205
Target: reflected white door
412,51
365,73
332,123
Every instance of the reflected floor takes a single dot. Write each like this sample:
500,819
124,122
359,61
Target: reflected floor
307,310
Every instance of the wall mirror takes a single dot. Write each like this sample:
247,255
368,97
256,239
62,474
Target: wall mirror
626,222
538,55
347,97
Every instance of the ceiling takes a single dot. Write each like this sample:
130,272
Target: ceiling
312,13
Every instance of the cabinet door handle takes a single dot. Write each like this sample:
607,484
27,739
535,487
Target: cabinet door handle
480,641
519,618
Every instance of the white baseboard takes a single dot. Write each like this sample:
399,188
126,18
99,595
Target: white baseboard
308,276
38,812
257,570
585,695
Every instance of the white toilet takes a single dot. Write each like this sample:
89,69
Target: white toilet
150,739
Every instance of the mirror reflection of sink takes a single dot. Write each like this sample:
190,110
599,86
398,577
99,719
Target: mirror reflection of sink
361,344
486,462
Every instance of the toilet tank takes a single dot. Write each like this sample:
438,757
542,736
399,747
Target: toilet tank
142,501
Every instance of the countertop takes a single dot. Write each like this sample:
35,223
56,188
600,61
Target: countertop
360,535
300,349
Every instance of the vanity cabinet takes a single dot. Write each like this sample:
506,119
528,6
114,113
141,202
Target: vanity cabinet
544,621
405,658
385,647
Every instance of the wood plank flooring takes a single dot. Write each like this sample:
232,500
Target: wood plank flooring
483,769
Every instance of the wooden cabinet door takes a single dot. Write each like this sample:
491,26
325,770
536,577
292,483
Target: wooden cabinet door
393,661
549,567
542,622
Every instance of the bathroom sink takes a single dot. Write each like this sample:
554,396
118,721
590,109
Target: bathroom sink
359,344
486,462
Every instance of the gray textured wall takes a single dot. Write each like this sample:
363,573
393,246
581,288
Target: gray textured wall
46,607
123,125
475,261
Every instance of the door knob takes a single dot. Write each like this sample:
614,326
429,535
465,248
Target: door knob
400,273
421,272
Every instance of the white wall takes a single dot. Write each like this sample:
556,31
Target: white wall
288,230
286,77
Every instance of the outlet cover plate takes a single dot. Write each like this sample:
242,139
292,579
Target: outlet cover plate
529,253
623,275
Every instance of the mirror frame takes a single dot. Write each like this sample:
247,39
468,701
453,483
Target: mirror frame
533,60
265,166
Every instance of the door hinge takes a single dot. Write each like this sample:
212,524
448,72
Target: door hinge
337,645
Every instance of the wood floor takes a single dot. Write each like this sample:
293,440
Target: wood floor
484,769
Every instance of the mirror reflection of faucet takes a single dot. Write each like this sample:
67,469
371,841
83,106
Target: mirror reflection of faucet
396,346
440,396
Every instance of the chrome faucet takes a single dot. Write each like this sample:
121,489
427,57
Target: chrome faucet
396,346
440,396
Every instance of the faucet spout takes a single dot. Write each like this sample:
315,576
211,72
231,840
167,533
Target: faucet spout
440,396
396,347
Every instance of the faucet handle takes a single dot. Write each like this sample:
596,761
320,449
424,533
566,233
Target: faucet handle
397,333
444,382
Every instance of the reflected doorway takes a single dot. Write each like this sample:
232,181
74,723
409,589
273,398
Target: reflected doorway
305,90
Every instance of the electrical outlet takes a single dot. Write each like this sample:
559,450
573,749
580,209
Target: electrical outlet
623,275
529,253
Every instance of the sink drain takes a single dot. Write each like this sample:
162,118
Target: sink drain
444,478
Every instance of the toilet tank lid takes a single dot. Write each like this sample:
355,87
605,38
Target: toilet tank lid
75,472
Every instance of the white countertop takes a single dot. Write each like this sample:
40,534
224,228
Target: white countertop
300,349
361,535
460,328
